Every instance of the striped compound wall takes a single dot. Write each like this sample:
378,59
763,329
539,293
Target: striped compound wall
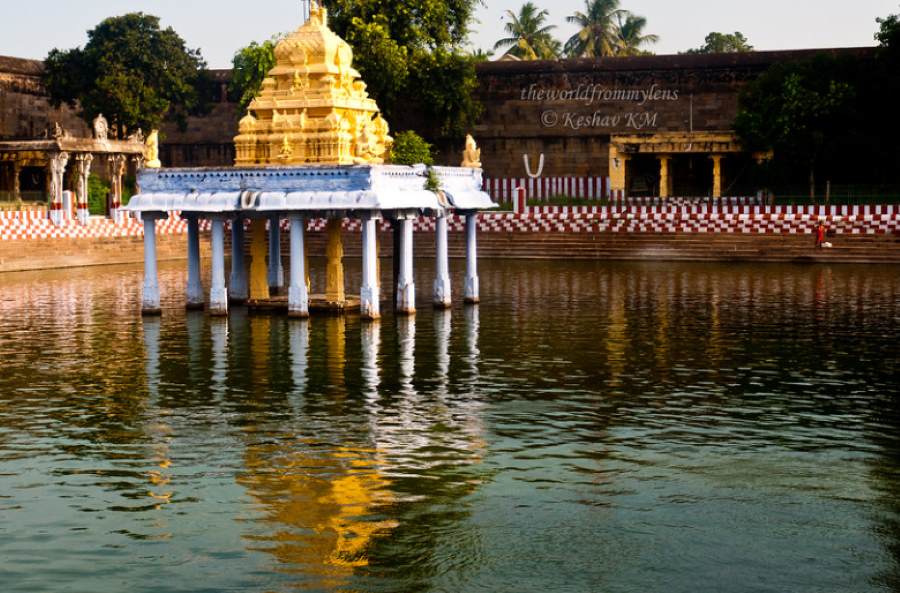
687,218
503,190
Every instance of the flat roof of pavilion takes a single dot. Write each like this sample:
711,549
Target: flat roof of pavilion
306,188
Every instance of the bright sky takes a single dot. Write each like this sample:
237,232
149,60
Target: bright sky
31,28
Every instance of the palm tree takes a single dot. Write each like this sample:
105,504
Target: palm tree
597,34
631,36
529,36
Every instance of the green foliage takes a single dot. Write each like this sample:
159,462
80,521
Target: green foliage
797,110
605,29
409,53
133,72
722,43
530,38
411,149
631,37
432,181
97,192
250,65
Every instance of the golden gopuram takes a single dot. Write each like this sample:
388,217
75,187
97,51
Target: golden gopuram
313,107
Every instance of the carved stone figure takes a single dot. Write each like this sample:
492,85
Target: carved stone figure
287,151
101,128
138,136
472,154
151,150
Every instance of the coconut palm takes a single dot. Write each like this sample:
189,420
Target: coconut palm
529,36
597,34
631,36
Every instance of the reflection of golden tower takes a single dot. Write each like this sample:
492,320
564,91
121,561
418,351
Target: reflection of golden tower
320,506
313,107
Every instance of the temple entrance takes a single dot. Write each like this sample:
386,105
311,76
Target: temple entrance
642,175
692,175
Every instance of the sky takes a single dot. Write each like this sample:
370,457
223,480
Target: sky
31,28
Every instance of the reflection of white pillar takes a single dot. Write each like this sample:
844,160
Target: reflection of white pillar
371,344
276,270
472,288
406,327
218,294
369,297
150,300
237,292
472,330
298,295
442,335
151,352
406,286
442,290
194,286
298,343
219,337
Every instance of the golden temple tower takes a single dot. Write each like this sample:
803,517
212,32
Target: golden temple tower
313,108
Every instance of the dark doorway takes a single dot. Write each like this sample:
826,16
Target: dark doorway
692,175
642,175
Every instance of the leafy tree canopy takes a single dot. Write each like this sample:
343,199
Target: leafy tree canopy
529,37
410,149
132,71
605,29
723,43
250,66
410,54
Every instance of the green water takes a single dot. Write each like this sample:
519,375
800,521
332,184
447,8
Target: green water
588,428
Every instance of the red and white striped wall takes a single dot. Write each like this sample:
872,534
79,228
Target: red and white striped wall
503,189
614,218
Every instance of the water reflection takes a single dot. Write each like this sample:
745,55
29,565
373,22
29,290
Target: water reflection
669,420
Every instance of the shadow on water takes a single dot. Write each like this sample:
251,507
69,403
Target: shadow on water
589,427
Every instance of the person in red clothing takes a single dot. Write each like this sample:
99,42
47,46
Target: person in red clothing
820,234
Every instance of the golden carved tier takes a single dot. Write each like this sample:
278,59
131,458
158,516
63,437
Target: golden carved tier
312,107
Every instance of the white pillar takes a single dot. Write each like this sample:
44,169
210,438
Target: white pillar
472,295
218,294
298,296
83,174
194,286
150,300
370,297
276,270
406,286
238,289
442,290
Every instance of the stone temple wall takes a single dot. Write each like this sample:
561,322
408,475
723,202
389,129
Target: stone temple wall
25,112
566,110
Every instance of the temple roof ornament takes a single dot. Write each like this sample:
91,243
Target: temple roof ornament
312,107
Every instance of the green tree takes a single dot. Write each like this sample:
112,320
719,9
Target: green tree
410,53
598,33
410,149
529,37
250,66
133,72
631,36
799,111
723,43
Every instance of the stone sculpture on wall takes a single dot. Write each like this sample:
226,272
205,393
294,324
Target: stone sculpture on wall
152,151
101,128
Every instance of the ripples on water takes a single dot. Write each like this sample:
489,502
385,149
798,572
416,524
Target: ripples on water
587,428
